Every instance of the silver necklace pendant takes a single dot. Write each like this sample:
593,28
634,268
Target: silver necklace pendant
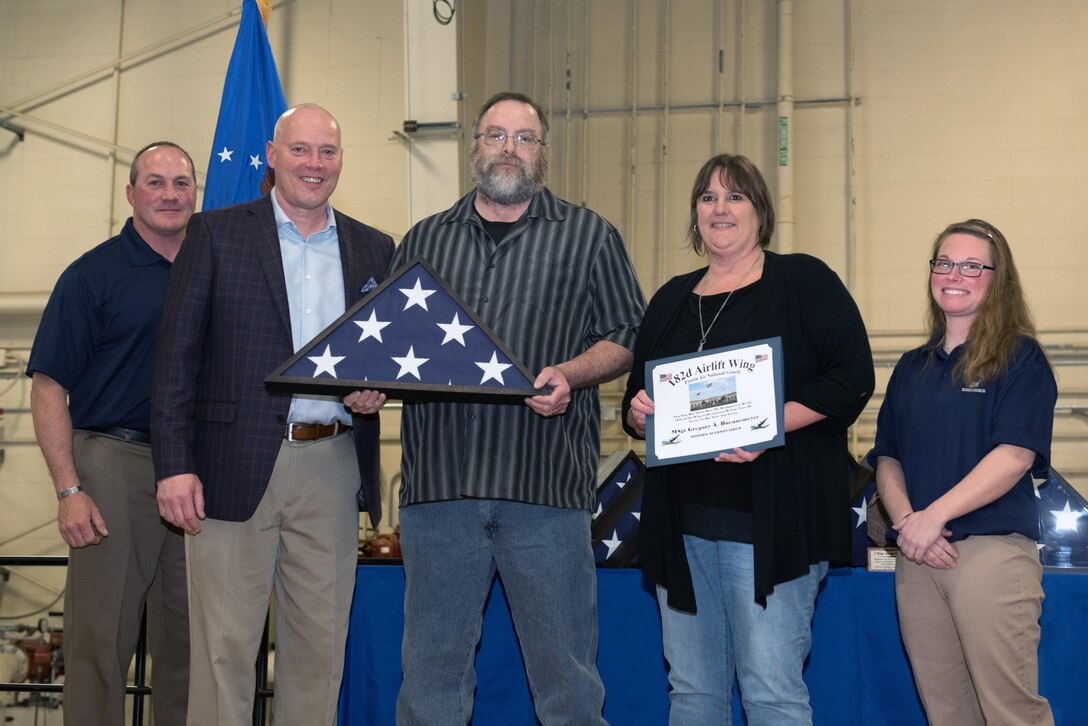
704,332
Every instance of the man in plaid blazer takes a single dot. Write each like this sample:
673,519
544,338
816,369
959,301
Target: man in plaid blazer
265,484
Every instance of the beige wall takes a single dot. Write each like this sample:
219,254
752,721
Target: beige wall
966,108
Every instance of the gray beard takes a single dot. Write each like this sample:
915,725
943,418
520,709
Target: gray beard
503,189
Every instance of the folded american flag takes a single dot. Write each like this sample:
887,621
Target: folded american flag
616,520
863,505
1063,522
410,337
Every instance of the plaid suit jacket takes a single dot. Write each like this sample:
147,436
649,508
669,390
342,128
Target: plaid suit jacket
225,326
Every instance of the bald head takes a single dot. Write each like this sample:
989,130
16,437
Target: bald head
308,112
306,154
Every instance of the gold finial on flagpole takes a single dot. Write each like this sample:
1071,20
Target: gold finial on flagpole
269,180
265,6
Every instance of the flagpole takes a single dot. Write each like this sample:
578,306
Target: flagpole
269,180
265,6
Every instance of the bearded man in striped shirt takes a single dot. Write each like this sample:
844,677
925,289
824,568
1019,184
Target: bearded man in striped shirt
507,489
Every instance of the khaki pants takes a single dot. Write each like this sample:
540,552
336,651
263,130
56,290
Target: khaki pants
141,561
972,633
300,545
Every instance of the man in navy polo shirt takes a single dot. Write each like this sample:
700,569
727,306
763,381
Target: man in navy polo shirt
91,367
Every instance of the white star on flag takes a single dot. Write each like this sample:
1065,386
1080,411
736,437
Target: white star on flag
455,330
372,327
410,364
637,515
255,162
611,544
600,510
326,362
224,155
416,295
1036,483
862,512
622,484
493,369
1066,518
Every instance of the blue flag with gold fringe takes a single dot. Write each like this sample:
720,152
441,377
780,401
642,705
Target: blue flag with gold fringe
252,101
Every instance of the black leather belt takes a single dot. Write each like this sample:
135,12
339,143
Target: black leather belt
313,431
131,435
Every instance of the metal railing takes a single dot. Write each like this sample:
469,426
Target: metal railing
139,690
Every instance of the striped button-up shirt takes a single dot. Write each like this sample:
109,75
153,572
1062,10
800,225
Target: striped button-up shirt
557,283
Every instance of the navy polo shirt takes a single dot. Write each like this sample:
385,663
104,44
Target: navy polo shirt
939,428
97,334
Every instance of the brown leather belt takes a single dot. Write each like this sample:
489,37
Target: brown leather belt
313,431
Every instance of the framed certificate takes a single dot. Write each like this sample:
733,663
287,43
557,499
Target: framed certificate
715,400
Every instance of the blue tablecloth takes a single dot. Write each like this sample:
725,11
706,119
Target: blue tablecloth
857,673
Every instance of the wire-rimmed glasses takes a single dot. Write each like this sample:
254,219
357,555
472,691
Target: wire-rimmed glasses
498,137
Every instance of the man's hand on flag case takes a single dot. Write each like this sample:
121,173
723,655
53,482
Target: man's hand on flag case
364,402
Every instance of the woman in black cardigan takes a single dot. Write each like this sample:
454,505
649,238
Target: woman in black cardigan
738,545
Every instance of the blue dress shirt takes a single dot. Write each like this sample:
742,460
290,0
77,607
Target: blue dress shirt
315,296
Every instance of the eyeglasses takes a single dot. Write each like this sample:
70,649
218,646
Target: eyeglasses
498,137
967,269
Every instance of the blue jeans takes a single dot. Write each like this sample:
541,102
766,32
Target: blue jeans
452,551
765,648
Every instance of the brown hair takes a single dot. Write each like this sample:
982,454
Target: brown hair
1003,318
149,147
740,174
520,98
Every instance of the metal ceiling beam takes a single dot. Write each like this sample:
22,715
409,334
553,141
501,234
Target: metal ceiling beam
93,74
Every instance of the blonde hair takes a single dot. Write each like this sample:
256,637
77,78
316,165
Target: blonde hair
1003,319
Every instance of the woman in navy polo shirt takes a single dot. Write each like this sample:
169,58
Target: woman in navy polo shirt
966,420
